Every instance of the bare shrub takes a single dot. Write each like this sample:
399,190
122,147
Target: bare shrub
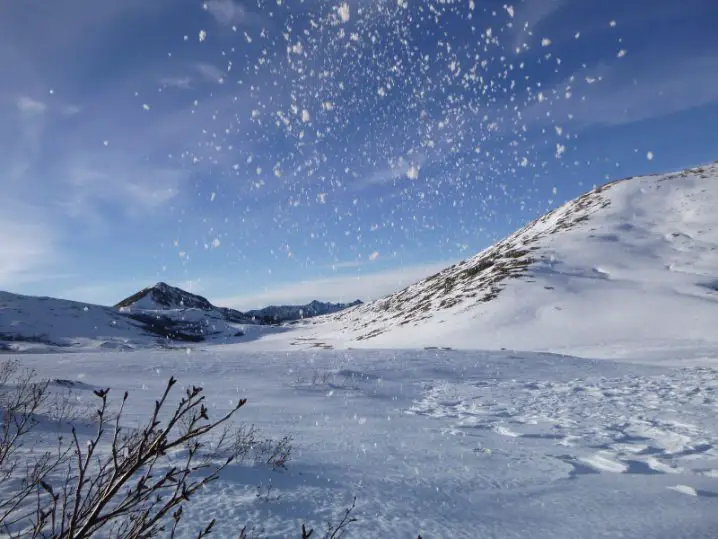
21,401
247,445
334,531
126,483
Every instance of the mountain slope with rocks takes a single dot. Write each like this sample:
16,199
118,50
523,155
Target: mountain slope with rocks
633,260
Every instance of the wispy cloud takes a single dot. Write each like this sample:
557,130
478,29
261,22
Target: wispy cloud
229,12
210,72
407,168
629,92
364,286
346,264
28,105
134,189
530,15
70,110
183,83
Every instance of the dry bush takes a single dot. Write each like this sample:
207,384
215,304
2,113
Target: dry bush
124,483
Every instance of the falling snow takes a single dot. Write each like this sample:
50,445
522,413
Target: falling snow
317,105
344,12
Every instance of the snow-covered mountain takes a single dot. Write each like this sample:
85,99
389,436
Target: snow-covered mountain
163,296
43,324
287,313
157,315
635,260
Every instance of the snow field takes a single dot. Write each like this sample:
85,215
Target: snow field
447,443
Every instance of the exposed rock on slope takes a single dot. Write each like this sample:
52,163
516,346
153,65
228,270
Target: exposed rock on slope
634,259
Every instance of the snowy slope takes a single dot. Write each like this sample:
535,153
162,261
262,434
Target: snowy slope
634,262
46,324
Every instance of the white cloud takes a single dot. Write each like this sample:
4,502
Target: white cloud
367,286
346,264
629,93
70,110
227,12
532,13
28,105
210,72
403,168
135,188
183,83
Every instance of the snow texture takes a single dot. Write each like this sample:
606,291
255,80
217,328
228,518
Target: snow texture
446,443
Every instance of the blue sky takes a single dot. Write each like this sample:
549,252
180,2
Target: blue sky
263,152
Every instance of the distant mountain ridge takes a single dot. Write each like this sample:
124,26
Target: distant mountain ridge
159,315
161,297
288,313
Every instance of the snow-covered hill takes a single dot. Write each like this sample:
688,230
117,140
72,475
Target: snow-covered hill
157,315
633,261
164,296
46,324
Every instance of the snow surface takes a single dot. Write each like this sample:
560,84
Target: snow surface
446,443
35,323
